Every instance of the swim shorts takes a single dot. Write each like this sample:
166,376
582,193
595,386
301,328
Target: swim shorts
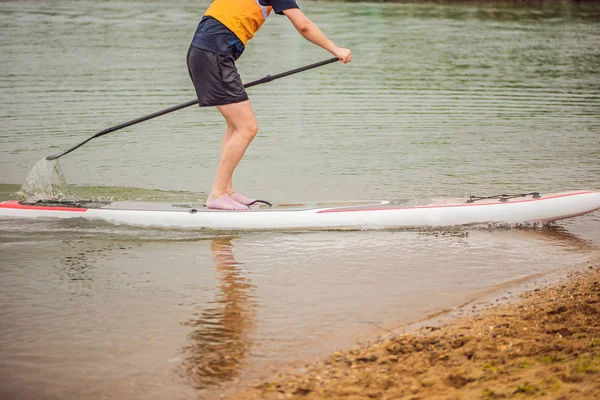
215,78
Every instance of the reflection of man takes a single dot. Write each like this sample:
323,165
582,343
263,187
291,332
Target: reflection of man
220,339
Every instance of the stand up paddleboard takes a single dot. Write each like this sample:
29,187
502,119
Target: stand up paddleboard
527,208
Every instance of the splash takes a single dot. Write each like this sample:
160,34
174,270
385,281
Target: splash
62,190
39,182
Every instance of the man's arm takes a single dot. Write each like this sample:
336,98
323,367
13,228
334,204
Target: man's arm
312,33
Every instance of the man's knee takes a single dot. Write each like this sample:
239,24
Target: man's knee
249,129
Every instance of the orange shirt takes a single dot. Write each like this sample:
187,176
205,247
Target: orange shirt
242,17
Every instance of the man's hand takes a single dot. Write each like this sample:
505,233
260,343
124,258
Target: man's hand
345,55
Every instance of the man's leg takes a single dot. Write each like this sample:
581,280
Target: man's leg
240,198
226,137
242,127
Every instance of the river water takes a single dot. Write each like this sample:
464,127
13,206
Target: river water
440,100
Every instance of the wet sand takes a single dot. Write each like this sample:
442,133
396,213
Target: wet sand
543,344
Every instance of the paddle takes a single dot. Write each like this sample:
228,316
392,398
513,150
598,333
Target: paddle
266,79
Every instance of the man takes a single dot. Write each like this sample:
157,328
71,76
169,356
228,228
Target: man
219,40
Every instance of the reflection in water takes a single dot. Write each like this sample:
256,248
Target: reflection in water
77,266
220,339
560,236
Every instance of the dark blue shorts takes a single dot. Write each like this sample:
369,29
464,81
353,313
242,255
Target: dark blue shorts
215,78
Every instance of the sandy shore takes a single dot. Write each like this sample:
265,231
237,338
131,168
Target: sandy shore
545,345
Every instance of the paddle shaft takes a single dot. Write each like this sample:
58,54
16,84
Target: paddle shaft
266,79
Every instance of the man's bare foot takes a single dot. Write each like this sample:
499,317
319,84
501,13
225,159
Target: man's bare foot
224,202
240,198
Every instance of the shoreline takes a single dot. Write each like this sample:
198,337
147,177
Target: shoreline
540,340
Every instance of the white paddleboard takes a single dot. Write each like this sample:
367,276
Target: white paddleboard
519,209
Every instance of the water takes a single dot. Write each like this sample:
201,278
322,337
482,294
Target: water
96,313
440,100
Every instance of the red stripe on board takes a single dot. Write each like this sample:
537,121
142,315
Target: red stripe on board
17,205
338,210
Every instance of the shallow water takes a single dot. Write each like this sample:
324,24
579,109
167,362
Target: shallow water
95,312
440,101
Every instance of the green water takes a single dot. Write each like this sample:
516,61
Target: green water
440,100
